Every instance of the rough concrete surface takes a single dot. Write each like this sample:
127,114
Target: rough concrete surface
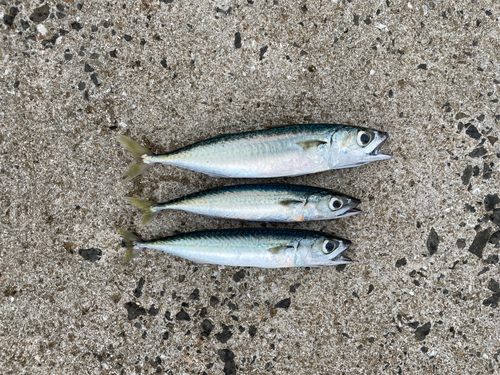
422,296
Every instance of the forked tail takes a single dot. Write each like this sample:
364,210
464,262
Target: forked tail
148,206
138,151
132,249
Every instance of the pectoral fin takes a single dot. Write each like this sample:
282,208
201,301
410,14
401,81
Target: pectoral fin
311,144
278,249
290,202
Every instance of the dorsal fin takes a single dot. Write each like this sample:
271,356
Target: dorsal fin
280,126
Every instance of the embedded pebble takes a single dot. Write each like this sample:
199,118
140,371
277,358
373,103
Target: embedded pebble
432,242
401,262
93,254
283,304
490,201
40,14
480,242
422,331
134,310
466,175
473,132
224,336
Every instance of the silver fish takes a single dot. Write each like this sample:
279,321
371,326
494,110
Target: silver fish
292,150
265,248
259,202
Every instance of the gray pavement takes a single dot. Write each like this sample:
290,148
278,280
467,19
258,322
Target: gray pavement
422,296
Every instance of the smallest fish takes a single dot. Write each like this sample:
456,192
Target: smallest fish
283,203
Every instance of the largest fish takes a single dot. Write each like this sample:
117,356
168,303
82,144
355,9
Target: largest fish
291,150
265,248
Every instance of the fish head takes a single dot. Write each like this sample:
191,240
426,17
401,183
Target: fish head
354,146
321,251
325,206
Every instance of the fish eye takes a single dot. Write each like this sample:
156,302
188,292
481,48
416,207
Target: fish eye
364,138
328,246
335,204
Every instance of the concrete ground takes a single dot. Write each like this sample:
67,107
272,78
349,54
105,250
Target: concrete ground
422,296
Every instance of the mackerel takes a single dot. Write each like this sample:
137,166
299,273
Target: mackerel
291,150
265,248
259,202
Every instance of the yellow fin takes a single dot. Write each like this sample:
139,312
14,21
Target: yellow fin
137,150
130,240
145,205
278,249
311,144
133,147
135,170
290,202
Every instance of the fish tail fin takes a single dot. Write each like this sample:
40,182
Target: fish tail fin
138,151
133,247
147,206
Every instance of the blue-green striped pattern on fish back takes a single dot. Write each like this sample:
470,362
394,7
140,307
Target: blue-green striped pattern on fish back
262,153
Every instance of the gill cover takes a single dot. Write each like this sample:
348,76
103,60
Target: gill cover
322,251
355,146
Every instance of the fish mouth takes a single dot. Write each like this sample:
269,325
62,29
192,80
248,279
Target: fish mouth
337,254
342,259
377,153
352,212
347,244
337,257
350,208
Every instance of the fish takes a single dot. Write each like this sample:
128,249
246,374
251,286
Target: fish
259,202
248,247
291,150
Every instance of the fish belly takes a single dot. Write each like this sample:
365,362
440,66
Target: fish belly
261,211
251,159
245,254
